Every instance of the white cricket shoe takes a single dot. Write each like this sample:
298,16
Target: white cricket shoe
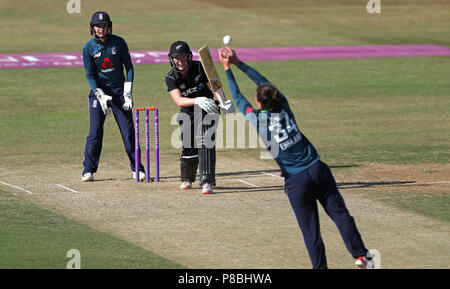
141,176
87,177
186,185
207,189
364,263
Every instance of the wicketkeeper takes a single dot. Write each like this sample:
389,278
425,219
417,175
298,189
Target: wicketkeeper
105,56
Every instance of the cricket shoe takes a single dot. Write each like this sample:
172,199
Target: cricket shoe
364,263
141,176
207,189
87,177
186,185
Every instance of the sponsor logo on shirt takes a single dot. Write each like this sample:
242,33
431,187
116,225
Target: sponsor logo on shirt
107,65
189,91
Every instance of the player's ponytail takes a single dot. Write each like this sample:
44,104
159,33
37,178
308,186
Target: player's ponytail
270,98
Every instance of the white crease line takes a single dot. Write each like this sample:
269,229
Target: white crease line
272,175
426,183
250,184
66,188
16,187
441,182
404,184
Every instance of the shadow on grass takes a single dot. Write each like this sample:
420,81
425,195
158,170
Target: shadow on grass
352,185
257,172
341,186
277,173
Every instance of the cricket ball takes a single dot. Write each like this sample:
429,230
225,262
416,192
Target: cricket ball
226,40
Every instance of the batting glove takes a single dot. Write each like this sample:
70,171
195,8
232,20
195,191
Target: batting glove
128,104
207,104
103,99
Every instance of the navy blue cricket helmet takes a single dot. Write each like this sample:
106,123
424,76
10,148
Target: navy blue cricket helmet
101,17
180,48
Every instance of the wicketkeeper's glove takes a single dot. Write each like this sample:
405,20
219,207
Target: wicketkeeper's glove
127,96
103,99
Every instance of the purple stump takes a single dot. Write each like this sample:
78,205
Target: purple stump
147,148
156,146
137,153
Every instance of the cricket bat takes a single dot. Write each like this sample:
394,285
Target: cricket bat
214,81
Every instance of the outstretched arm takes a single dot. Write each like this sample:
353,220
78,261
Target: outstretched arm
253,74
241,102
257,77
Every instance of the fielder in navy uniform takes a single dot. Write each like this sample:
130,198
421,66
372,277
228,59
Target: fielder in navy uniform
306,178
198,118
105,57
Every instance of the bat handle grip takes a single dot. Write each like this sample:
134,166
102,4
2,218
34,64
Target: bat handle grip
221,96
226,105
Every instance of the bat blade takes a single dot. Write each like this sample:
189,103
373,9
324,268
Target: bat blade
210,69
213,78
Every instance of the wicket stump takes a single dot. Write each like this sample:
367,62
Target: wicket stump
147,143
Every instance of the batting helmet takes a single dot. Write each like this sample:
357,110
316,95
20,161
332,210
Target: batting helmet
180,48
101,17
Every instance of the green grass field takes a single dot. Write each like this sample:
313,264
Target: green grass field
36,238
355,111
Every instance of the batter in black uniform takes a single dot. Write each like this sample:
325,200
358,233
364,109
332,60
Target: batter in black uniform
198,118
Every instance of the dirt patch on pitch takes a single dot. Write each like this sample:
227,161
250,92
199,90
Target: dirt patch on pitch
248,222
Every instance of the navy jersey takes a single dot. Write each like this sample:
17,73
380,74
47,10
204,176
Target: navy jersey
104,62
192,86
288,146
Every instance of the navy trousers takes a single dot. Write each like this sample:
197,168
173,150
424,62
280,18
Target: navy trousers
303,190
94,140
